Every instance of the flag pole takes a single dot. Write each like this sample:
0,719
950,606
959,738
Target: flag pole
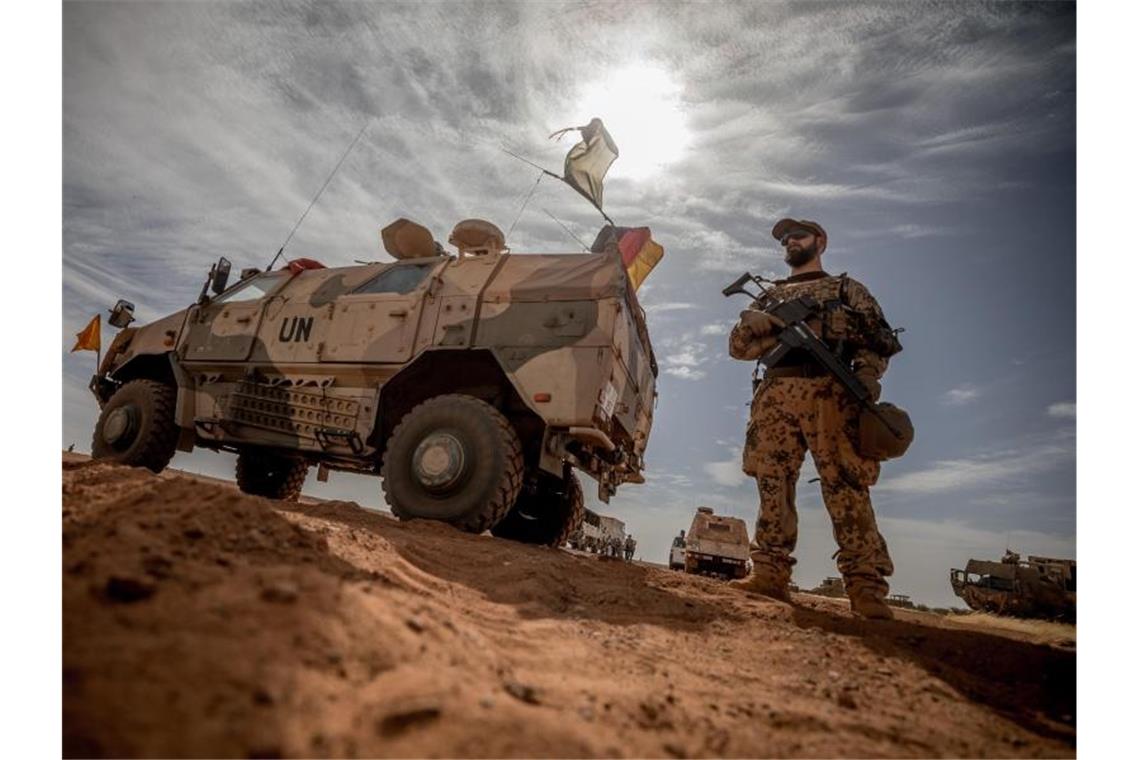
560,179
532,163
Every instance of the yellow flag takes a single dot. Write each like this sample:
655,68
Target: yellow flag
87,339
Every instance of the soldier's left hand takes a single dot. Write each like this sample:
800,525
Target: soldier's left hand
760,323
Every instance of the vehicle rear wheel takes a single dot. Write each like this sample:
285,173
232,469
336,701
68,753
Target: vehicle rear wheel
267,473
546,513
456,459
136,426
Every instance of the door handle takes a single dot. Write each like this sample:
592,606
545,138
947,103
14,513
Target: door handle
398,313
244,319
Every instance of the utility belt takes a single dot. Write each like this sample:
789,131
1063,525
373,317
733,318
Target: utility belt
805,369
797,370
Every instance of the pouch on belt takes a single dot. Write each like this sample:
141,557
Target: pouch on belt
876,441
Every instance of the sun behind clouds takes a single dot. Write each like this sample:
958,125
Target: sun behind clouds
641,107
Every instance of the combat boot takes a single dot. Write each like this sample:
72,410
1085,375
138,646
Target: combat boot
868,603
765,583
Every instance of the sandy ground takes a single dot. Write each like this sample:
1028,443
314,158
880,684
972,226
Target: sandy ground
199,621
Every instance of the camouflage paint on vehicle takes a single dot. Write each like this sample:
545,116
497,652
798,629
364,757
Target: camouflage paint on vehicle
324,362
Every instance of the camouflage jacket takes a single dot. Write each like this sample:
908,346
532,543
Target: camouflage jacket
851,322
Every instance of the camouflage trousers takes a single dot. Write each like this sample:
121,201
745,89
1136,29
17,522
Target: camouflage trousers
793,415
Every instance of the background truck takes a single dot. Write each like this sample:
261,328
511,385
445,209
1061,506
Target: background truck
474,385
716,545
597,532
677,552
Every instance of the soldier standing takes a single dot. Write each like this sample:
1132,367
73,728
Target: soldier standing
800,407
630,545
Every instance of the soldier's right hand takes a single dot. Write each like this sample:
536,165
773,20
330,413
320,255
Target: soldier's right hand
759,323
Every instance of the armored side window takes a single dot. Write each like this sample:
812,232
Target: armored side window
397,279
253,289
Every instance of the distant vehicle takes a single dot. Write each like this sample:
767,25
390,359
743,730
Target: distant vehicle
1039,587
901,600
597,532
716,545
830,587
677,553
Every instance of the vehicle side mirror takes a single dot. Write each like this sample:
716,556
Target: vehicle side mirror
220,276
122,315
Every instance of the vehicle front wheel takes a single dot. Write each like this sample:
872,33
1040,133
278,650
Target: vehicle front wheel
267,473
455,459
546,513
136,426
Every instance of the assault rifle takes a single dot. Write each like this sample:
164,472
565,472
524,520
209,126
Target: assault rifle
794,313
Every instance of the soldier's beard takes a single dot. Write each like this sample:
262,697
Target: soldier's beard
799,257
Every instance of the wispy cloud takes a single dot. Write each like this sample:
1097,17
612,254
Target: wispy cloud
726,473
660,308
960,396
913,231
688,355
685,372
1063,409
984,470
716,328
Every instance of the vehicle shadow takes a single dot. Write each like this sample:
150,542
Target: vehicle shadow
538,581
1034,685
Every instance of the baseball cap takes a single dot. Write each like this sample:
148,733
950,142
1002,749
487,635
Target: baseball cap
784,226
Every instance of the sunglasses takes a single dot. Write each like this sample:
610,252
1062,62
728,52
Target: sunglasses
796,235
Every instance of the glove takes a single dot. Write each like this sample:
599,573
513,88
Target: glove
871,383
765,344
759,323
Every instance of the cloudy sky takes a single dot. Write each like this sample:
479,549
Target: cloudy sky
934,141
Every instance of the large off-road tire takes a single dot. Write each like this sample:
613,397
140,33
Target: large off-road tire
267,473
136,426
456,459
546,513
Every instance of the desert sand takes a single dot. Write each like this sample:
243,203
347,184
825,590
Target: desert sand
199,621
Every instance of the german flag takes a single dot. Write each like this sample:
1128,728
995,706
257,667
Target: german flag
639,251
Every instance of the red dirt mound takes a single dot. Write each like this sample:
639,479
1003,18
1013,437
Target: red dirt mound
202,622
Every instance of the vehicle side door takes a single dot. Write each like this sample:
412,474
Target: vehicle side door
224,329
378,321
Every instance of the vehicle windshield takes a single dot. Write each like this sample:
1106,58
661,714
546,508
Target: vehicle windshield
254,288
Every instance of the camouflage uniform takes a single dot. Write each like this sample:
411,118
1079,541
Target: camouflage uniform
791,415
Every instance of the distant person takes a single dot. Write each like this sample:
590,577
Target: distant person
630,545
800,407
71,448
679,540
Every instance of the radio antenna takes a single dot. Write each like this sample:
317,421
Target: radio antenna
585,247
352,145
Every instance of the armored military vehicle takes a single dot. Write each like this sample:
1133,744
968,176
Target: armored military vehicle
716,545
831,586
1038,587
473,384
